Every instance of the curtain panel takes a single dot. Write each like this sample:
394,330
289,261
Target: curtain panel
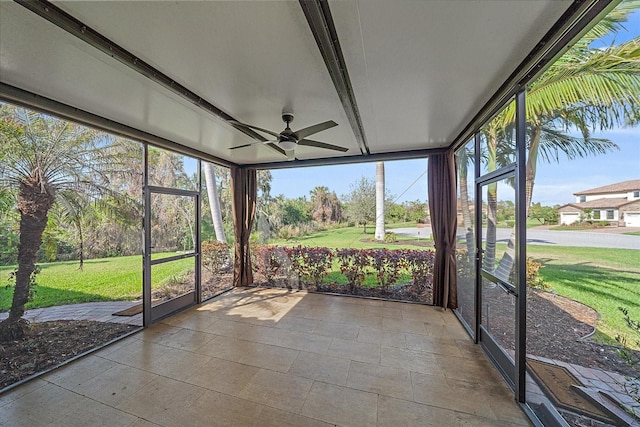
442,193
243,201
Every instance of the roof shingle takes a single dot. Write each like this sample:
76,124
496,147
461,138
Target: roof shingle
619,187
604,203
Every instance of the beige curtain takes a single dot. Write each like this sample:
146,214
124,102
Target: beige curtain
244,186
443,208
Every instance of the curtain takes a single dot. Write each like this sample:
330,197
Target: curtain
244,194
443,209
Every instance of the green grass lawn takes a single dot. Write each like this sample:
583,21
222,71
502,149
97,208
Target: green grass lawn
106,279
604,279
633,233
350,237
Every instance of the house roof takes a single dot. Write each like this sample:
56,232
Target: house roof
604,203
618,187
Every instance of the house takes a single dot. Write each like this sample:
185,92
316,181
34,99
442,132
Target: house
617,204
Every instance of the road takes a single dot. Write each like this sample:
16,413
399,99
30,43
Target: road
599,239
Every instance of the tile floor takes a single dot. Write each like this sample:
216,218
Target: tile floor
269,357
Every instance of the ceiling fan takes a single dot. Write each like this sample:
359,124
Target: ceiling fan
288,140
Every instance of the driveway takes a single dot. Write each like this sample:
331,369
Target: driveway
541,236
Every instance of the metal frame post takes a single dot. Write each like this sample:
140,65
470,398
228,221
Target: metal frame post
521,246
146,247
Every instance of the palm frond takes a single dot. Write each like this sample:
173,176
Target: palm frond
555,143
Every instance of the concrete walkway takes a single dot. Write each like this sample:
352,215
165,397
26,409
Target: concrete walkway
96,311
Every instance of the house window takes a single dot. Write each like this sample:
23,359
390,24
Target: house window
596,215
609,213
583,199
636,194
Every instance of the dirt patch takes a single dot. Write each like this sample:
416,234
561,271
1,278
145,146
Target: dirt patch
402,292
48,344
557,328
212,284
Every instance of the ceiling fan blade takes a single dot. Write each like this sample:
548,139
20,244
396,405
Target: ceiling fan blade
255,143
244,125
303,133
318,144
274,145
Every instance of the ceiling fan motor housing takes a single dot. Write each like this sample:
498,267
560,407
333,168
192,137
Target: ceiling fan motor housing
287,117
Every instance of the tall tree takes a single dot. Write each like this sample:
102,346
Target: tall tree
43,157
491,134
380,231
325,206
361,202
214,202
464,158
587,89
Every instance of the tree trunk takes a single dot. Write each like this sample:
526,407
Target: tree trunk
214,202
489,259
34,205
464,202
508,260
380,231
81,249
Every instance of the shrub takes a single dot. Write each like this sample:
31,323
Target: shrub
533,279
353,263
316,263
465,265
420,264
215,255
268,263
390,237
387,265
310,264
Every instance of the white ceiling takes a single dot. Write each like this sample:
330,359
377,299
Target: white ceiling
420,70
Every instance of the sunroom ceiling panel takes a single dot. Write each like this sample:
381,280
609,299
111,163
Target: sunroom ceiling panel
422,70
41,58
250,59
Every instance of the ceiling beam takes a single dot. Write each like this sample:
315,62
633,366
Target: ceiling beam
348,160
45,105
77,28
324,31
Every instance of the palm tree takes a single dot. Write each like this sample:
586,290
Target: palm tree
379,234
42,158
464,157
492,133
586,89
214,202
325,206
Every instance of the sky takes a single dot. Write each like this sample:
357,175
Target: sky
554,185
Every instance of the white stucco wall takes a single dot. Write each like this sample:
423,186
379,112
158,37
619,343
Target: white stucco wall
567,218
604,196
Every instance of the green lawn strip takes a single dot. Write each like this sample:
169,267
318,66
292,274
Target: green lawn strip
572,228
349,237
335,277
632,233
400,225
604,279
106,279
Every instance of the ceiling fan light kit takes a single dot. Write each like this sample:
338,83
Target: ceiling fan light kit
288,140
